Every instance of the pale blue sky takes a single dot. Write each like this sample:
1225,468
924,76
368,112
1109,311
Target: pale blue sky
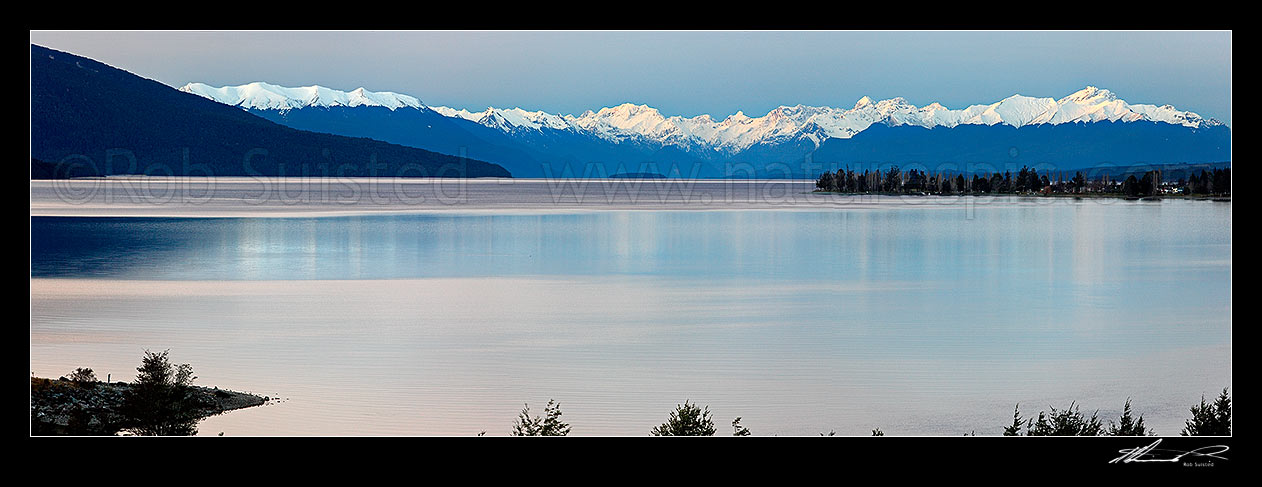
688,73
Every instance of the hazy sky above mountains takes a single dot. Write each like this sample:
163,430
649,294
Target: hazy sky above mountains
687,73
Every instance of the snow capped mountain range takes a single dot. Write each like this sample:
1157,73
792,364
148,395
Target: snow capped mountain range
738,132
265,96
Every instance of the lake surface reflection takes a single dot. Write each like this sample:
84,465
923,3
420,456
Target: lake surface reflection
929,320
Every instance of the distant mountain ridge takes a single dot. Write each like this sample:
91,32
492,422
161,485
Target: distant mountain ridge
266,96
108,121
536,143
737,131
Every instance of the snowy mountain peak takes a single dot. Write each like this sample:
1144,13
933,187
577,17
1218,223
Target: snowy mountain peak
1088,93
739,131
735,119
266,96
643,123
632,107
627,110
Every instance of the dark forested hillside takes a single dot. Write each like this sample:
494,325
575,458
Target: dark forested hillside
421,128
107,121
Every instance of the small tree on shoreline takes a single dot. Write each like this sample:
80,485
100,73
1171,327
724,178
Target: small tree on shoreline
1210,419
1128,426
159,401
1014,429
548,425
686,420
82,376
1066,422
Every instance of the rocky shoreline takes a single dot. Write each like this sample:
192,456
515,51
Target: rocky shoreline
64,407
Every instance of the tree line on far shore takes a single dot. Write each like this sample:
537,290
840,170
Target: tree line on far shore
1028,181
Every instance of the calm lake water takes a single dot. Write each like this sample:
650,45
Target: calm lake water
917,319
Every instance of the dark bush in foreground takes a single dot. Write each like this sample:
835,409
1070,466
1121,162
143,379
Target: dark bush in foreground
82,376
1210,419
686,420
161,400
549,425
1066,422
1128,425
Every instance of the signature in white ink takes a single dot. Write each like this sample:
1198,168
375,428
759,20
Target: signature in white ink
1151,453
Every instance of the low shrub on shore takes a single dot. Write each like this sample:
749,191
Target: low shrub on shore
161,401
